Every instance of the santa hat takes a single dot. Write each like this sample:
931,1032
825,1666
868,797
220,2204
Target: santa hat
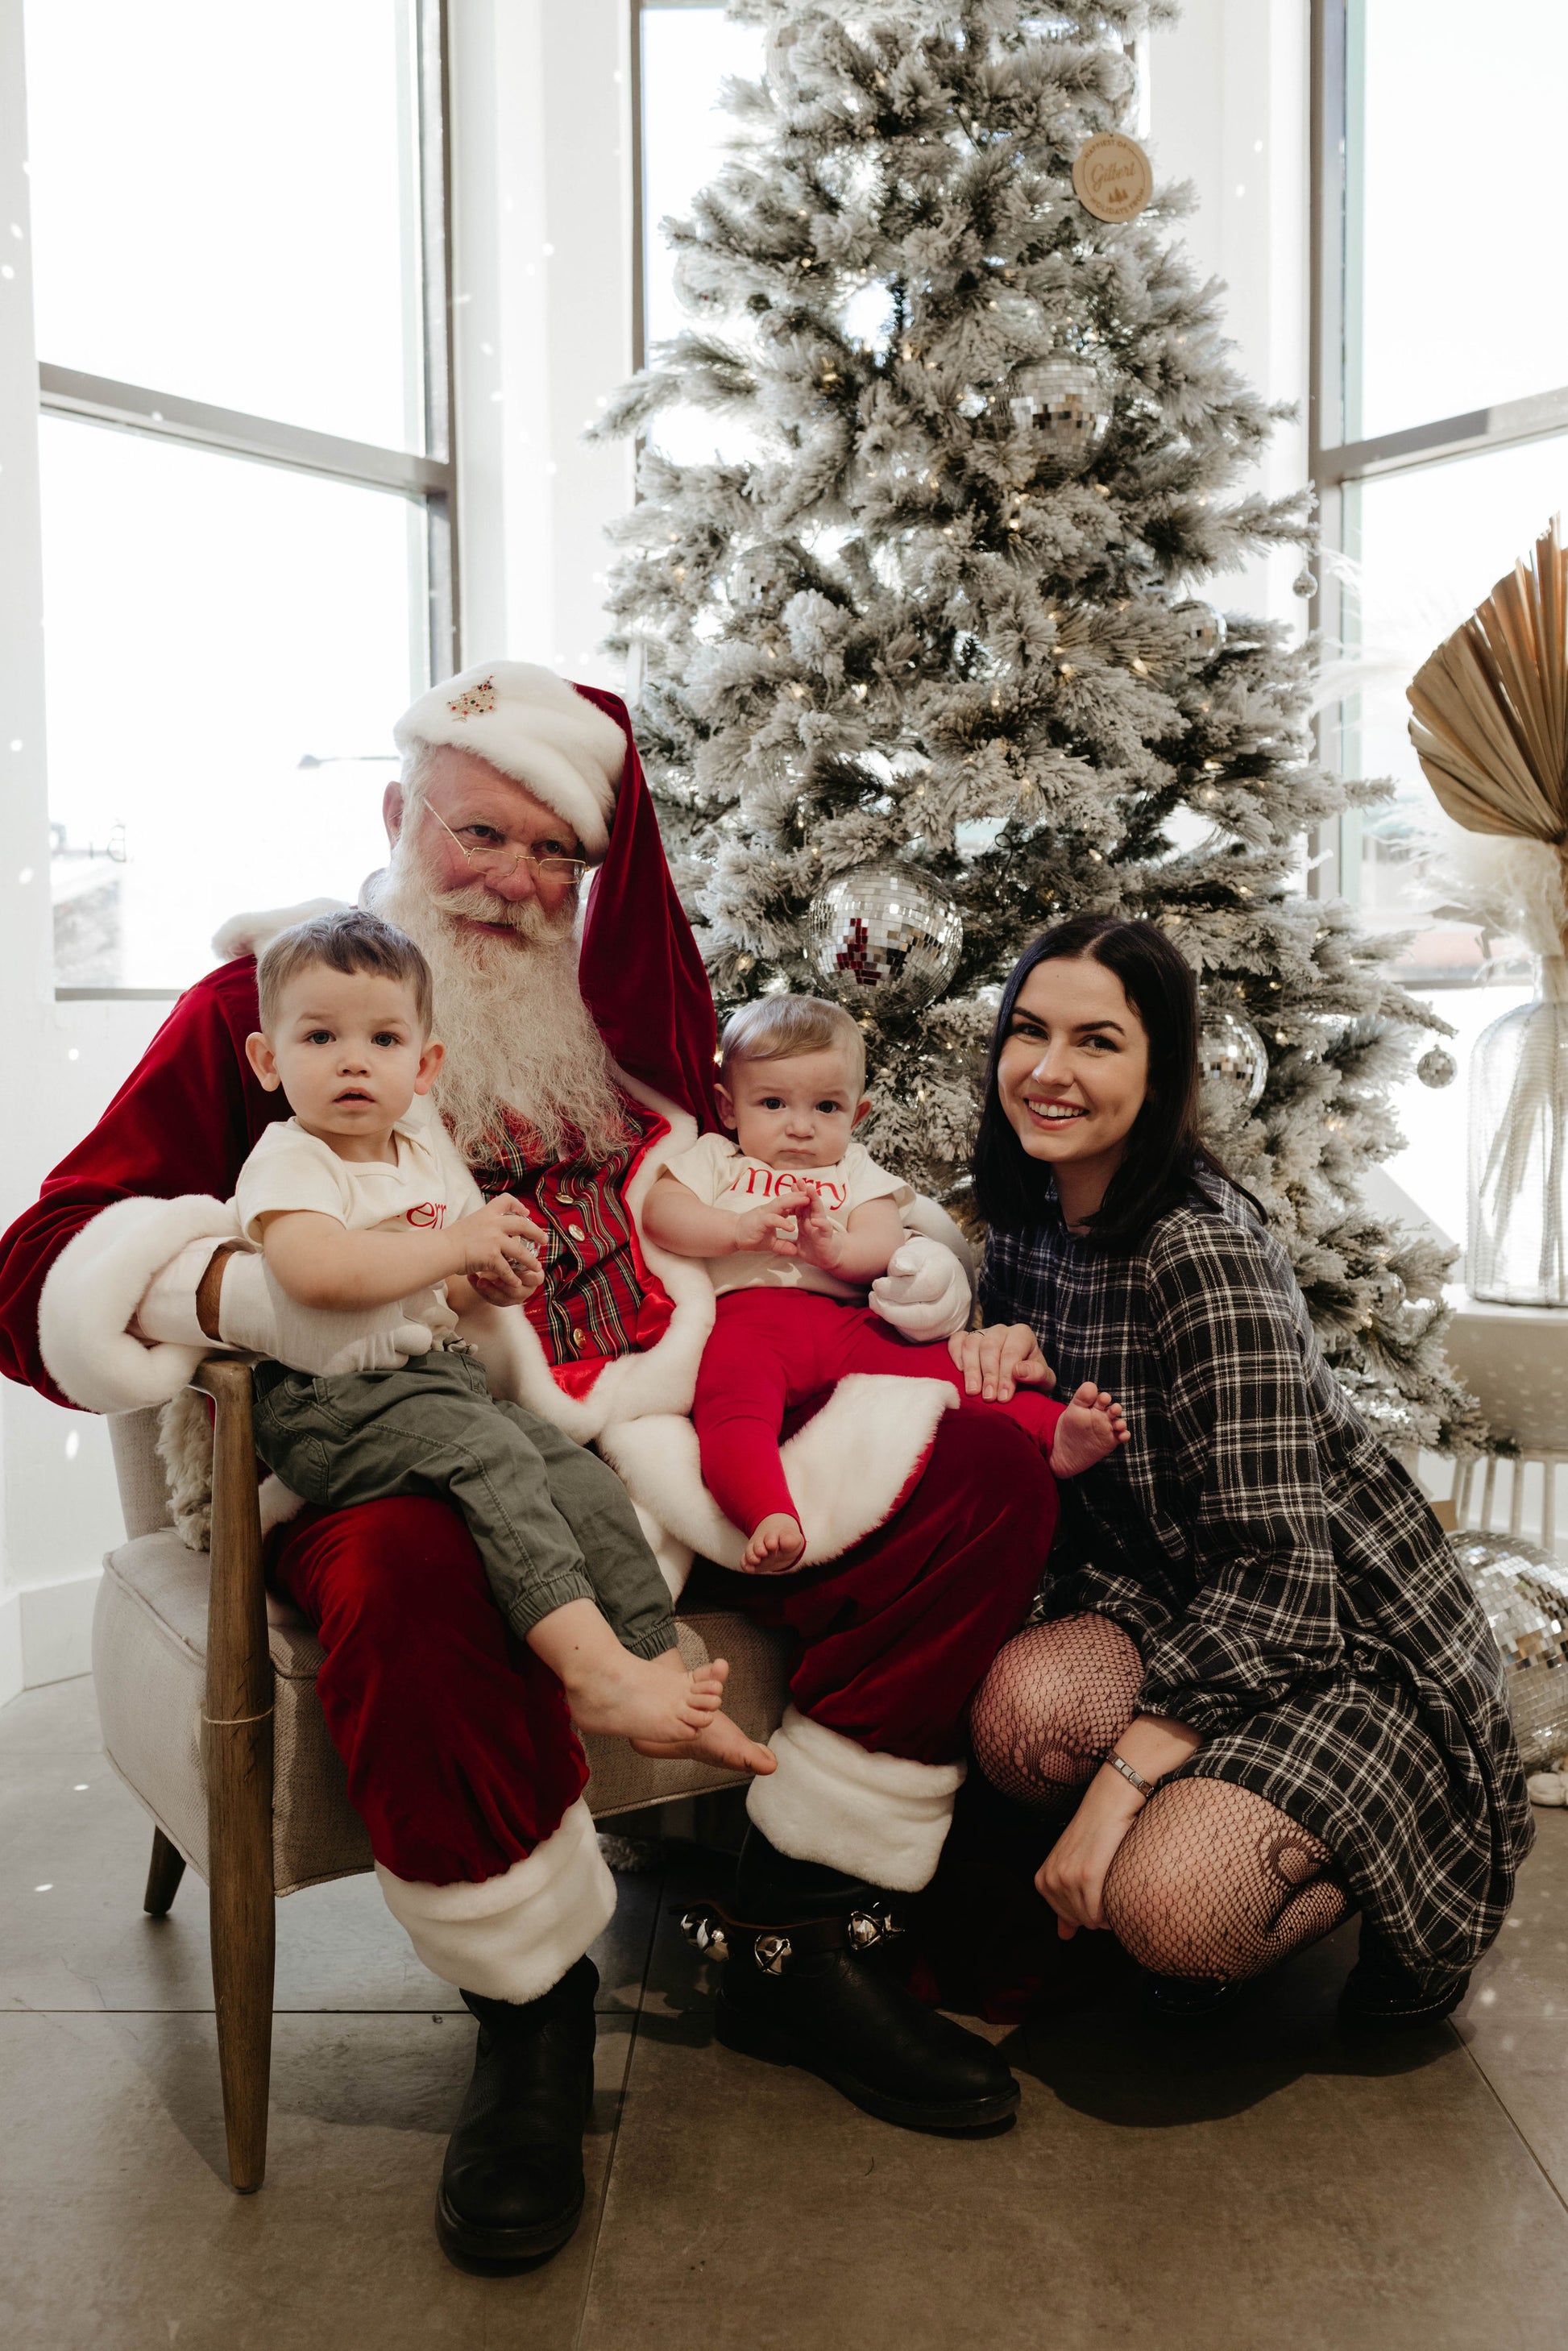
641,973
535,728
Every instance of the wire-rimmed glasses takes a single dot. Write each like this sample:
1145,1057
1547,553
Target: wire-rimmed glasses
500,862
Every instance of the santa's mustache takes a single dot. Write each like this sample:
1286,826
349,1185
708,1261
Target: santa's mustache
528,916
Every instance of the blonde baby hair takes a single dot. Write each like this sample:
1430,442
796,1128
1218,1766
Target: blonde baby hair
780,1027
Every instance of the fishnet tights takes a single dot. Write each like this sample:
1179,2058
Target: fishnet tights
1211,1881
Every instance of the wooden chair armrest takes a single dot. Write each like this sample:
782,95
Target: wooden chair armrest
239,1663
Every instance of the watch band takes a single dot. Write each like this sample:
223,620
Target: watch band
1146,1788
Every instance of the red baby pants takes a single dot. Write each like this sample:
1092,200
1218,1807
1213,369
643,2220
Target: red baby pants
774,1350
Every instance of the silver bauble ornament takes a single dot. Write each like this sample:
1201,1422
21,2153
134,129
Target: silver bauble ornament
1205,623
1234,1063
885,937
1059,409
1438,1068
1524,1592
1305,583
761,576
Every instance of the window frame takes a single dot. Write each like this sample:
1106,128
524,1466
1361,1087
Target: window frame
429,476
1335,463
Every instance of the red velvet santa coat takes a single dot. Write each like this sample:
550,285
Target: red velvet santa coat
159,1168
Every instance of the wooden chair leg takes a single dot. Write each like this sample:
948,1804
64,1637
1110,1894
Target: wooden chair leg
164,1872
243,1913
238,1724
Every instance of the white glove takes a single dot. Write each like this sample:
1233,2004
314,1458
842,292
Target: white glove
925,1293
257,1314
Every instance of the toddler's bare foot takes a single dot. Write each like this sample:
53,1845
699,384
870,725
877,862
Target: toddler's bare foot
776,1544
646,1697
722,1743
1089,1431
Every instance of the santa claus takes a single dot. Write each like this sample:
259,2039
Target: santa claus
579,1056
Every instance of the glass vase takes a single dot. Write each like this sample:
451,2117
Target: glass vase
1517,1249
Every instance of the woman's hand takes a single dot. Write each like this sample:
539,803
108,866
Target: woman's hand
1073,1875
996,1361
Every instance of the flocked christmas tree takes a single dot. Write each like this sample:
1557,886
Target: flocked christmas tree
934,665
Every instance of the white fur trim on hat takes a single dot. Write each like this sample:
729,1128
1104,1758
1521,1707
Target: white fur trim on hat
535,728
511,1937
881,1817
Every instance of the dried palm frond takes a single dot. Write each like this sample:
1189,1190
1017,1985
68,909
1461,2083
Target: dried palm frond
1490,728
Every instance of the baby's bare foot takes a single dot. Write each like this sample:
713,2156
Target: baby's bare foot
722,1743
647,1698
776,1544
1089,1431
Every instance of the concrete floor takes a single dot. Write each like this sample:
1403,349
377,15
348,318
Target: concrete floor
1267,2186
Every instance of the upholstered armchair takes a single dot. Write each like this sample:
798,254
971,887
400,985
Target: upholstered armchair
211,1717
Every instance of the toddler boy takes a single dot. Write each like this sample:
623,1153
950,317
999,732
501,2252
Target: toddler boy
796,1221
360,1200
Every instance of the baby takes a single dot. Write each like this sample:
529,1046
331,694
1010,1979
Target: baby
360,1200
796,1221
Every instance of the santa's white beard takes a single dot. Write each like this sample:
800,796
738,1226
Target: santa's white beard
520,1043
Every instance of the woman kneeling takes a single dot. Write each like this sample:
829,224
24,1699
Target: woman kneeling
1263,1692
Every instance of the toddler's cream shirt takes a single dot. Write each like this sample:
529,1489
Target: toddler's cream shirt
722,1176
427,1186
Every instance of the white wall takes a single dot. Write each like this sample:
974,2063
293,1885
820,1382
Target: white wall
541,167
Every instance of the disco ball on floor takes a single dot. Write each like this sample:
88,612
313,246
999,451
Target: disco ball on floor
1523,1593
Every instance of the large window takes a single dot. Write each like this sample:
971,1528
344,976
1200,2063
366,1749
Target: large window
1440,411
241,296
1439,434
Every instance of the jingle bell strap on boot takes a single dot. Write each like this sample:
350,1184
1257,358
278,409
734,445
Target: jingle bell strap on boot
512,2187
718,1935
802,1986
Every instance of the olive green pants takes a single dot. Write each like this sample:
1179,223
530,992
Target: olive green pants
551,1521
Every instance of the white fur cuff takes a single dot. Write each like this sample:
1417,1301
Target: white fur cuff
94,1288
879,1817
512,1937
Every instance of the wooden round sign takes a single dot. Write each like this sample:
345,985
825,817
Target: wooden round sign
1111,177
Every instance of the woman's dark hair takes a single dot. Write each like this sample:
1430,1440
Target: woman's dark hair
1165,1158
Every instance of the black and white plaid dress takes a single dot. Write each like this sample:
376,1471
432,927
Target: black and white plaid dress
1290,1592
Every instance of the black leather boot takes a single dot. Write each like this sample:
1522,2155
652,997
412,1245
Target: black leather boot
511,2185
803,1986
1382,1994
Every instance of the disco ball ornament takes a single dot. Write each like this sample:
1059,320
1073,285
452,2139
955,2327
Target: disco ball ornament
886,938
1059,408
1205,623
762,577
1438,1068
1234,1062
1305,583
1523,1593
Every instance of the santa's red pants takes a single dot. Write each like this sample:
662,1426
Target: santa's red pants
460,1754
771,1351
